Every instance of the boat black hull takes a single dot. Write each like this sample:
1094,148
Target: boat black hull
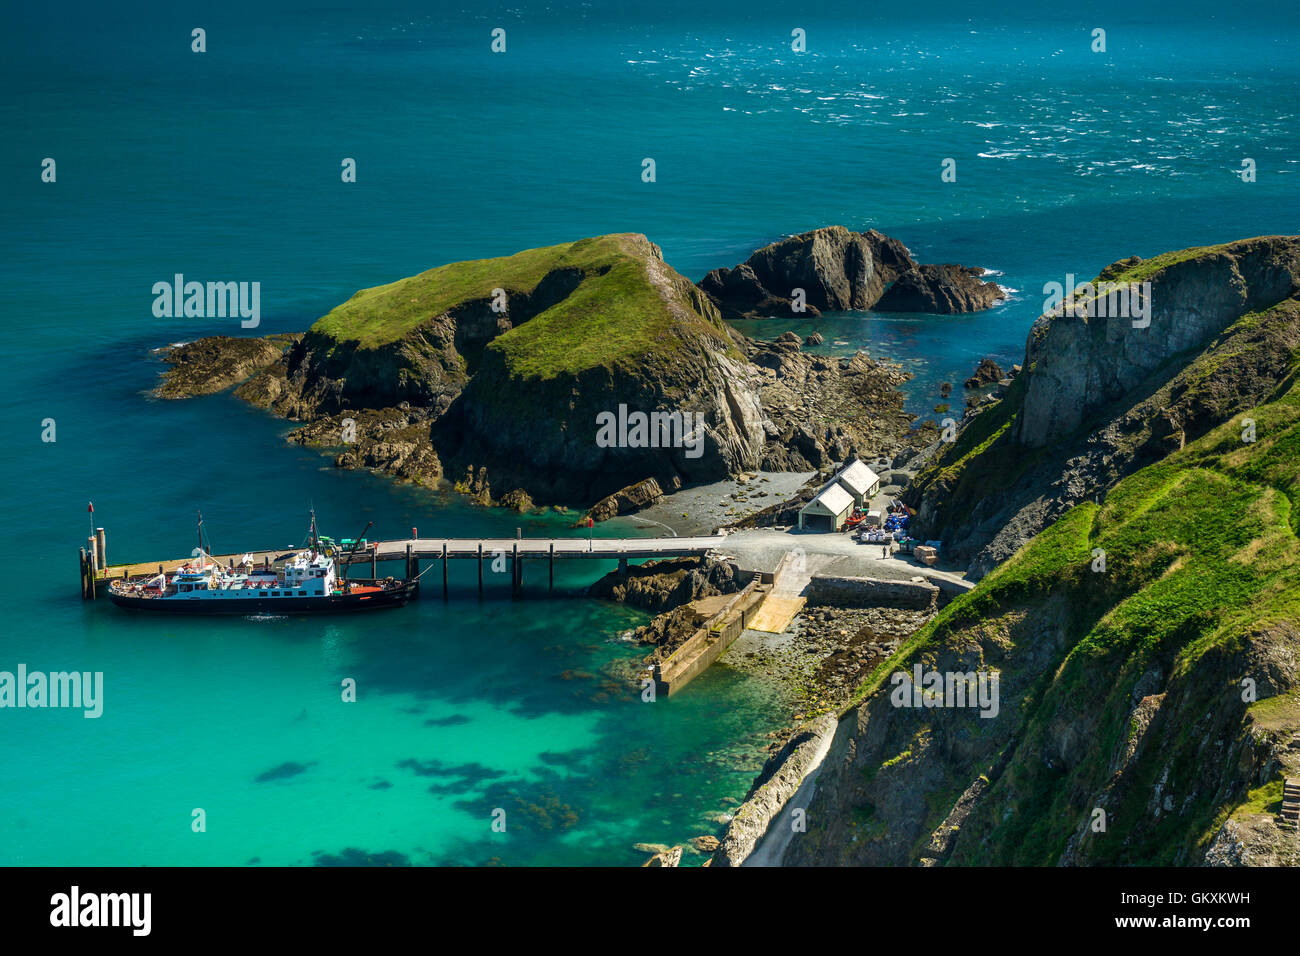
236,607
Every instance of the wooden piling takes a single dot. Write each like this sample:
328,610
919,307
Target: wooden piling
444,570
92,567
516,578
480,569
85,576
374,560
101,551
412,565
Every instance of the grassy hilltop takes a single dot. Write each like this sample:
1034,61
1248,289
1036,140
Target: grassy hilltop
618,309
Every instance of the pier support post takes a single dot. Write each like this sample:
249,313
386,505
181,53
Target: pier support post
87,581
412,566
480,570
374,560
516,578
622,567
101,551
94,571
444,570
92,563
551,587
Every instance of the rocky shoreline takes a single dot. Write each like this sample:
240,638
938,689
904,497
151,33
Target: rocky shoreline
817,663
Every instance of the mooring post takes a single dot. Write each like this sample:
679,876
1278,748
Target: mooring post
412,565
552,569
93,564
516,578
444,570
84,592
374,560
101,551
480,569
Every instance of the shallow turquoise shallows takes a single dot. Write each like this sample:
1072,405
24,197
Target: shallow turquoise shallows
226,165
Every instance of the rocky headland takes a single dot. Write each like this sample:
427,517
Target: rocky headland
1132,495
1099,398
494,374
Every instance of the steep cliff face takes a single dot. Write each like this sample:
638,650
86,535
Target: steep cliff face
839,271
1099,399
1147,651
1078,363
633,338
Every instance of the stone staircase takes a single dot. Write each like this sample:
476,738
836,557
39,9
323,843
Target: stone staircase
1289,818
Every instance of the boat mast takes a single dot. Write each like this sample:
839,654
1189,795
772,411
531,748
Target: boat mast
343,576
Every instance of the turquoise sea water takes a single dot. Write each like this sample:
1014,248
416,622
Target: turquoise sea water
225,166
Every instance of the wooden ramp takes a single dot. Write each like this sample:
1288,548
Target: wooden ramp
776,613
785,599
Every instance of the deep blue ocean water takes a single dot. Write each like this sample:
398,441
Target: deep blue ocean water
225,166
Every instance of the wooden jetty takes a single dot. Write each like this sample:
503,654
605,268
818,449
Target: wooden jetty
95,571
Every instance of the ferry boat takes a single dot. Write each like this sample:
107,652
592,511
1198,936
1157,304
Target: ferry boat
306,582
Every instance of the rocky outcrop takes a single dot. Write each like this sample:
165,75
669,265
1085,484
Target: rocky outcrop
659,586
625,501
940,290
393,441
840,271
988,372
215,364
1078,363
669,857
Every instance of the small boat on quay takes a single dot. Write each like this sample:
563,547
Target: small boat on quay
304,582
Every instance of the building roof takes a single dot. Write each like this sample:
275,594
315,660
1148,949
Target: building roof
832,500
857,478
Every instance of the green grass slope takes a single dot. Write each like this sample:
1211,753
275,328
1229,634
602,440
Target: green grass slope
384,314
630,306
627,303
1122,689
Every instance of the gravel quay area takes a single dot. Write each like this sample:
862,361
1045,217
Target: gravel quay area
705,508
